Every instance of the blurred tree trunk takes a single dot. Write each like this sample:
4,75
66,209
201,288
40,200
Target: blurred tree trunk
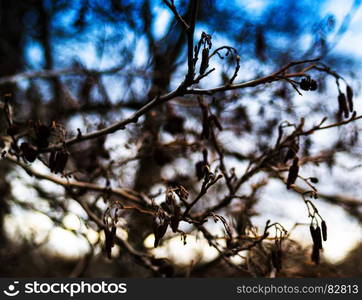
11,61
149,170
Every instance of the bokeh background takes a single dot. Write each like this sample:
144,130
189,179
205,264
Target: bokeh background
106,56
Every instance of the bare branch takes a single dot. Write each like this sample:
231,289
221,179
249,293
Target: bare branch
172,7
123,193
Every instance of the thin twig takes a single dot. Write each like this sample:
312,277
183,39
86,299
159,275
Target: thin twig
172,7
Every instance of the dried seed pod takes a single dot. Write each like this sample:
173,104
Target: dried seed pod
280,259
342,102
204,60
29,151
324,230
200,169
314,180
349,93
174,209
61,159
318,236
170,198
204,155
182,193
42,133
174,222
292,151
113,234
313,85
276,257
293,172
52,160
110,236
313,234
304,84
160,224
315,255
308,84
290,154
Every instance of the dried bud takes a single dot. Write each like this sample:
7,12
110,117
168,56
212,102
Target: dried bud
292,151
204,61
315,255
200,169
42,134
174,222
52,160
174,209
349,93
312,233
182,193
304,84
276,257
113,234
29,151
160,224
318,236
314,180
313,85
204,155
61,158
324,230
342,102
110,238
308,84
170,198
293,172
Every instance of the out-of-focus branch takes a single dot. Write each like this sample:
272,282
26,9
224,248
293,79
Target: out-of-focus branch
56,73
128,195
222,254
145,259
350,204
